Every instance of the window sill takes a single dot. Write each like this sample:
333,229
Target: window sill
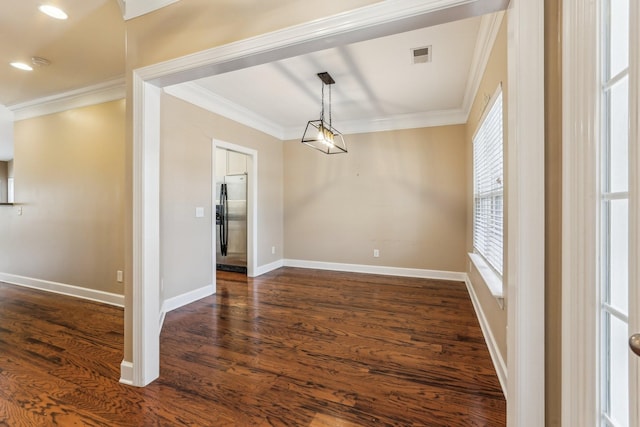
490,278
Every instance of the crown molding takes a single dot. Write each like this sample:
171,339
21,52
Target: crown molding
489,27
391,123
197,95
83,97
204,98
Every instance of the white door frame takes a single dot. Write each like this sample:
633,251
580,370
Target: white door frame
526,277
634,203
526,215
252,202
580,183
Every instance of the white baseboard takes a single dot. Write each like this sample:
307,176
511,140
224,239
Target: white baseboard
187,298
126,373
163,314
376,269
64,289
496,357
268,267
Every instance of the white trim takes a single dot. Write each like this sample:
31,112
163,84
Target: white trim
163,315
379,19
377,269
104,92
402,121
64,289
197,95
187,298
204,98
580,178
496,357
252,202
134,8
489,277
525,220
146,232
634,206
263,269
126,373
489,28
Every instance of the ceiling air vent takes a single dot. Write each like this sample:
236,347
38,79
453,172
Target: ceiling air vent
420,55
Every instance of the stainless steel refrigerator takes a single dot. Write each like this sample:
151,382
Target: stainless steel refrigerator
231,223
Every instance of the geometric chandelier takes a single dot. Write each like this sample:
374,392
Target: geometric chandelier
320,134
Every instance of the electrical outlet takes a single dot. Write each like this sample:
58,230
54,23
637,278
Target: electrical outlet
19,210
273,250
119,276
376,253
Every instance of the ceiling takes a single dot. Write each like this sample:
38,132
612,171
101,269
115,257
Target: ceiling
86,49
376,82
377,85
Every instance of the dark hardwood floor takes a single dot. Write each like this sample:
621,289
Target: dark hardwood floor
291,348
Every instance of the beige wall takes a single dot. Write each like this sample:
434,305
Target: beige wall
187,132
402,192
69,182
495,73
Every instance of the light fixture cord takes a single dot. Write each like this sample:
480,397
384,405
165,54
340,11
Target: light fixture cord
322,111
330,126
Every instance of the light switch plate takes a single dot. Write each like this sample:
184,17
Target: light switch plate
199,212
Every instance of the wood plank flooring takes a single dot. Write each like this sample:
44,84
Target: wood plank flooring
291,348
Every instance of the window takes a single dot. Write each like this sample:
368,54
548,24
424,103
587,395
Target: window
488,185
614,214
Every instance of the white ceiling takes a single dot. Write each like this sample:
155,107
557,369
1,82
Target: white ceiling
84,50
378,87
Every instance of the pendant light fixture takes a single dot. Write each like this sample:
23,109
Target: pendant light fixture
320,134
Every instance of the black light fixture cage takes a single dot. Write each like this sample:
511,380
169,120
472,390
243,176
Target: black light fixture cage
322,135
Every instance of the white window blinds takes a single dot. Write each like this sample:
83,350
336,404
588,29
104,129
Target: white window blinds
488,185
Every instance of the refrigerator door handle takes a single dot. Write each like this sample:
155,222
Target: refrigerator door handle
224,220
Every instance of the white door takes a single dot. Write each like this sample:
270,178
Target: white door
619,220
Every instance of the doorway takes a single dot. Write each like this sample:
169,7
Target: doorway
231,210
234,236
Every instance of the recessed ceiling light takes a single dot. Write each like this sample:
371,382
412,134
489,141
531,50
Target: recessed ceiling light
21,66
53,11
